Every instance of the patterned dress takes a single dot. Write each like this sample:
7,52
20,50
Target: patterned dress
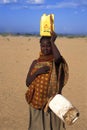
44,86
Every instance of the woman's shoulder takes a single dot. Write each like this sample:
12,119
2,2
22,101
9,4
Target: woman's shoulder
32,65
34,62
61,59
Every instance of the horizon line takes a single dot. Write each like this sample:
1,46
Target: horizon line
38,34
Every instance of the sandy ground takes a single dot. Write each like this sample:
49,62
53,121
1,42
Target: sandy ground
16,55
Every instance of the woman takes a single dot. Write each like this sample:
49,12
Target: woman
46,77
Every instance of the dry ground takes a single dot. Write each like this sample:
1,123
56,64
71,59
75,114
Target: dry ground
16,55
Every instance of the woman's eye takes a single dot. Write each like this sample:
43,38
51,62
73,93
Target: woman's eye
43,46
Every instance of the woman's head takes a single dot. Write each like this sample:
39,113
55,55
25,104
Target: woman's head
45,45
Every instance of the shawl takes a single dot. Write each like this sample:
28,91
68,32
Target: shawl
47,85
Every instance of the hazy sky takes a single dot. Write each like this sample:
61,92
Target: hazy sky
23,16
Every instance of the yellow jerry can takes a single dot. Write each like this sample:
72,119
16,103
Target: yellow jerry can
46,24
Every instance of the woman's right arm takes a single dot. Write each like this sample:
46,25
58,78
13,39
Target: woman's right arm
30,77
42,70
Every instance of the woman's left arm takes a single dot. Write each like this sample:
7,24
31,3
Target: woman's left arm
55,50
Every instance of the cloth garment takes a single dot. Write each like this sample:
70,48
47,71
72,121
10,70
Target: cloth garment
40,84
46,86
49,84
39,120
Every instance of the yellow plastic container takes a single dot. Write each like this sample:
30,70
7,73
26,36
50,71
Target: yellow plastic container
46,24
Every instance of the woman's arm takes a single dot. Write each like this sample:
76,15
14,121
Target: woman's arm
41,70
30,77
55,50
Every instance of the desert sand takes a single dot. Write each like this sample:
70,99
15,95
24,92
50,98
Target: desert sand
16,55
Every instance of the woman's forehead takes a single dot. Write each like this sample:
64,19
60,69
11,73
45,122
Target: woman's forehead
46,42
45,38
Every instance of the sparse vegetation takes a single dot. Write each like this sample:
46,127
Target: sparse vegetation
37,35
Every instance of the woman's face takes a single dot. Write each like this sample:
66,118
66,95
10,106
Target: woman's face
46,48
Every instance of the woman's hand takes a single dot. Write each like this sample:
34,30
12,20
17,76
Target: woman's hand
47,105
43,70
